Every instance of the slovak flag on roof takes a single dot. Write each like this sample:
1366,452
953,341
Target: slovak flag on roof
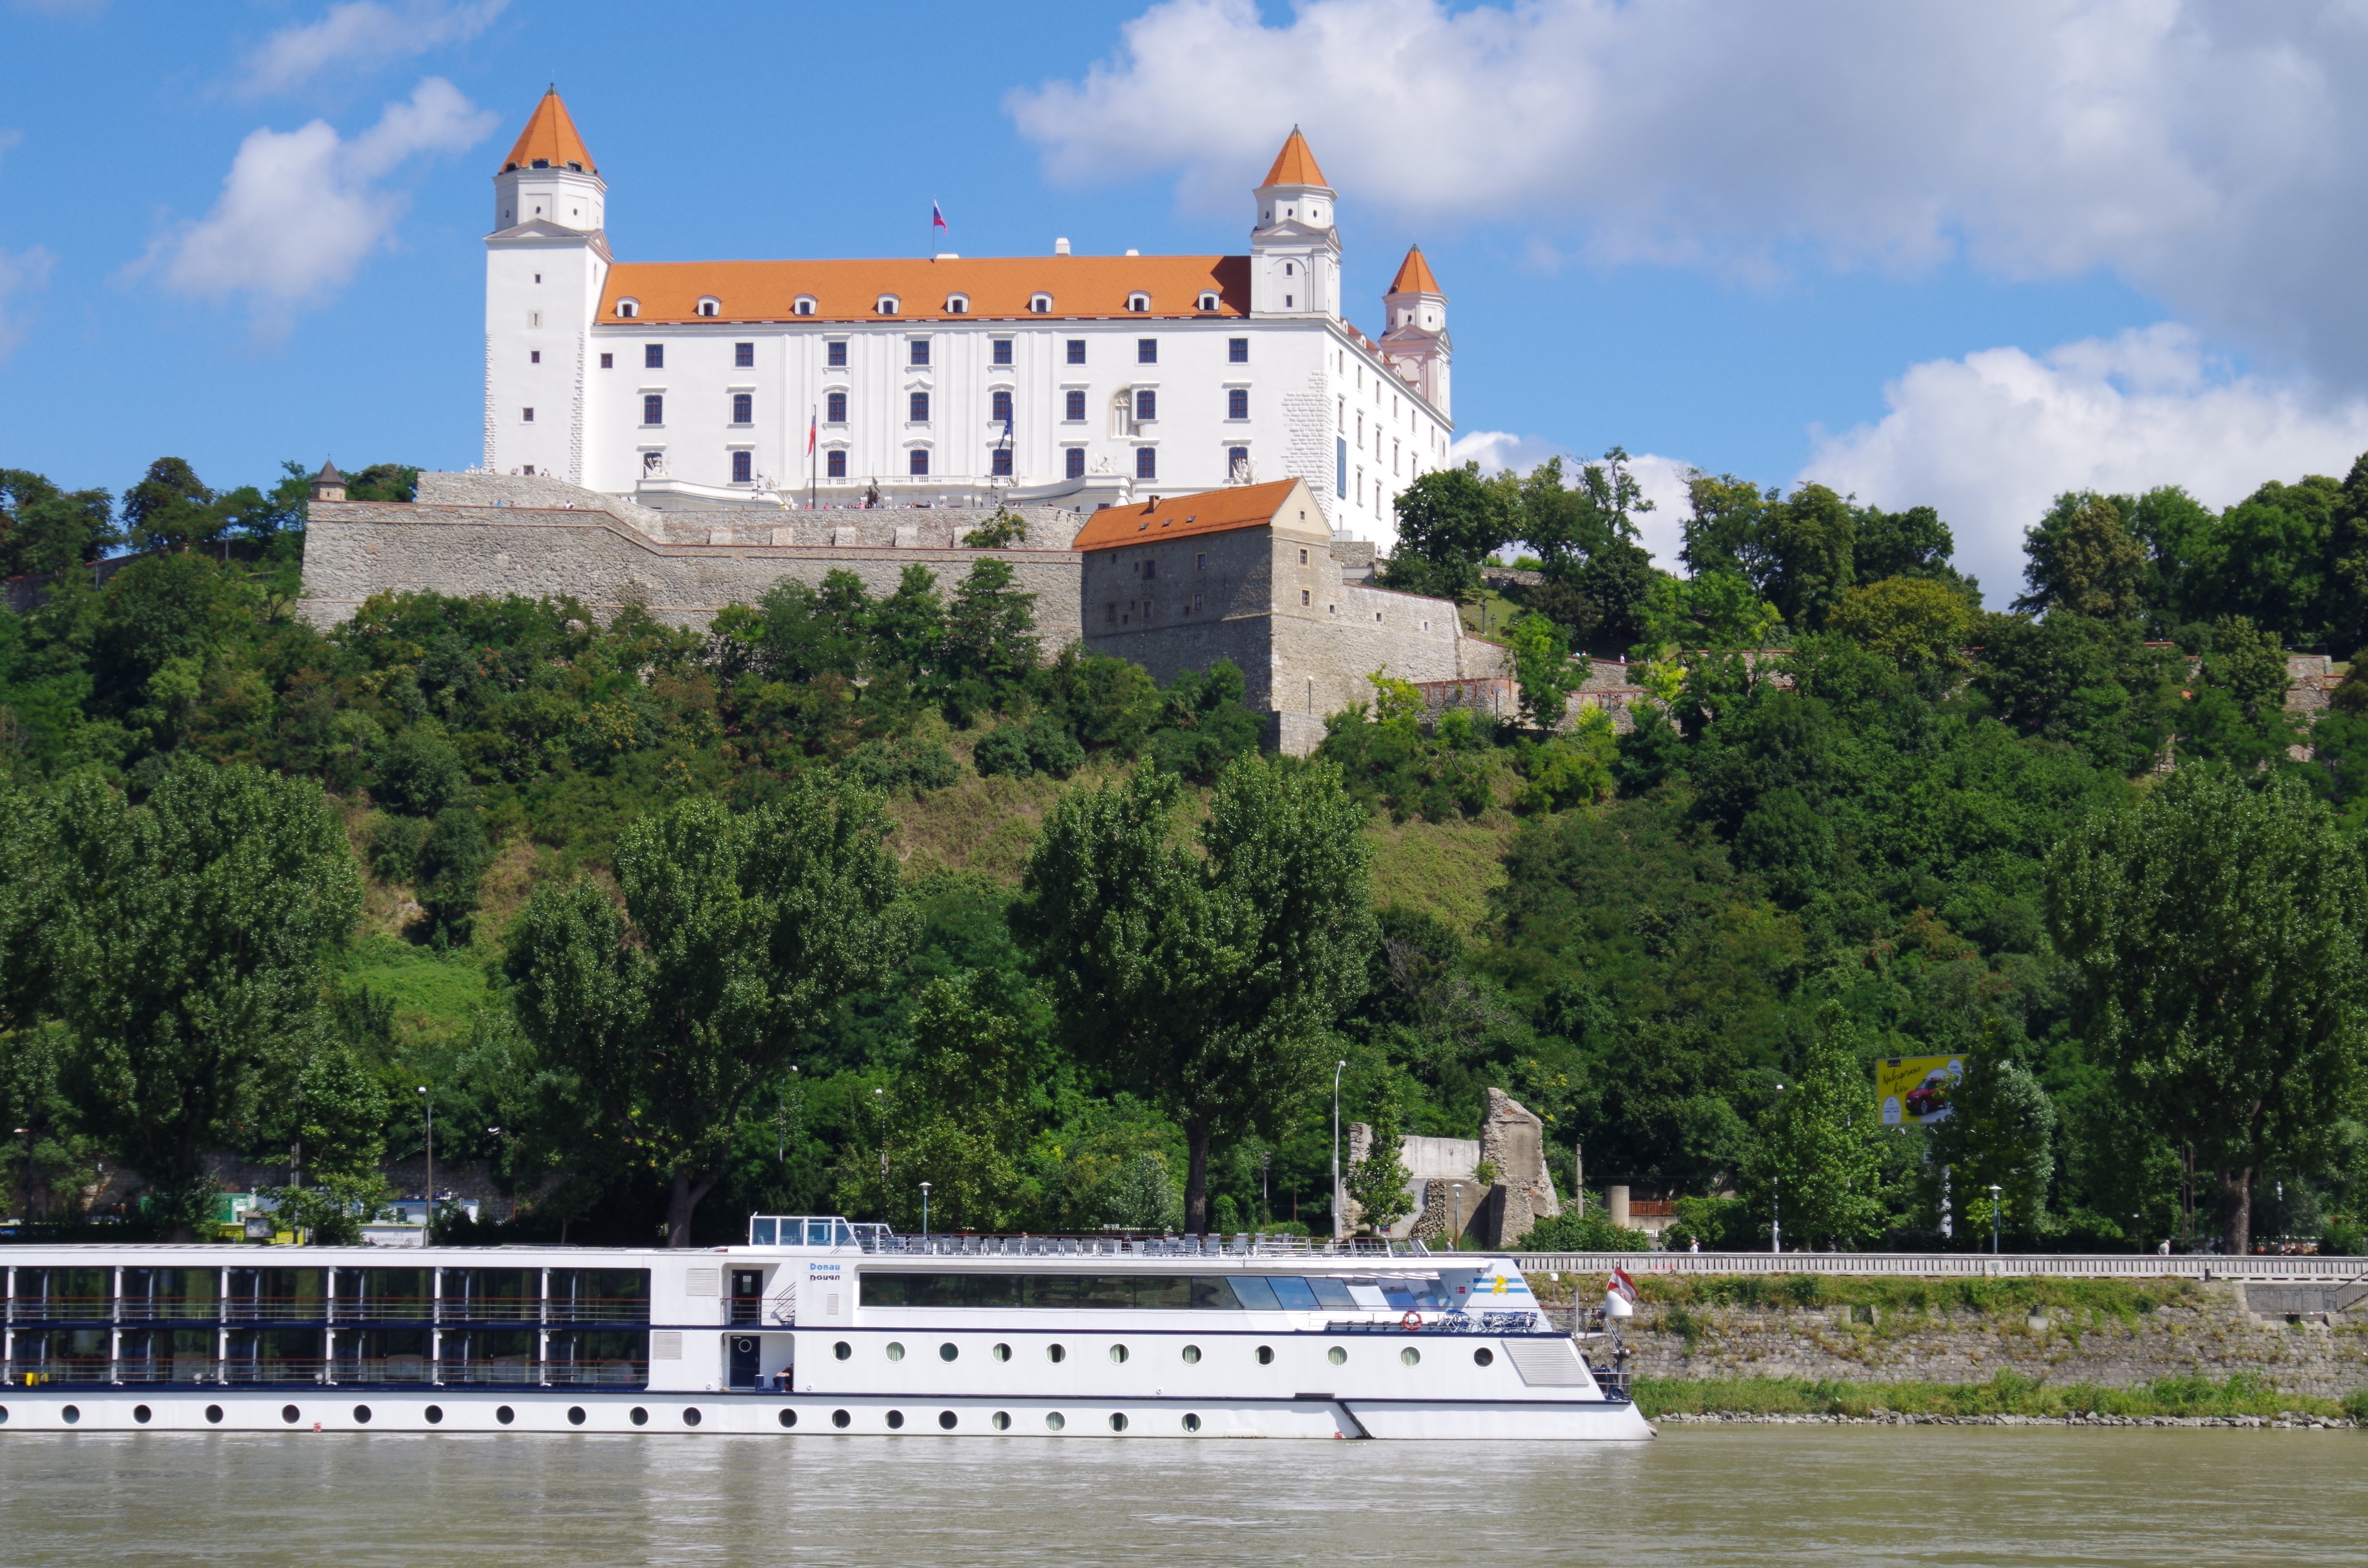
1620,1285
938,217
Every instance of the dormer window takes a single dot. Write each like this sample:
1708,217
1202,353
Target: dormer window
803,307
1208,301
628,309
540,163
886,305
957,304
576,167
1138,302
711,306
1040,304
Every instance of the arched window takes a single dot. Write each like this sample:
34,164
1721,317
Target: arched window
834,408
628,309
744,408
1208,301
1040,304
1237,402
1138,302
805,306
957,304
711,306
886,305
1001,403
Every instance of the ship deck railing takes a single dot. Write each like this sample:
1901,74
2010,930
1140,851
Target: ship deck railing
1243,1245
398,1370
242,1311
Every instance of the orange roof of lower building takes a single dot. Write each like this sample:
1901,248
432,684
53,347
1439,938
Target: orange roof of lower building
1296,164
1415,276
1209,512
550,140
1077,286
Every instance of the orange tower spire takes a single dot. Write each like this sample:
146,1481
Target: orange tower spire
1296,164
550,140
1415,276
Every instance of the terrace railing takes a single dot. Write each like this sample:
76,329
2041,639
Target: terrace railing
1953,1265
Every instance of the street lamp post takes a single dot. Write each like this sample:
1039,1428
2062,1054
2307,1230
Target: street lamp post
427,1224
1994,1220
1776,1215
925,1210
1340,1218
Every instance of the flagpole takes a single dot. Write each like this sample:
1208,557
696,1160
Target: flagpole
814,455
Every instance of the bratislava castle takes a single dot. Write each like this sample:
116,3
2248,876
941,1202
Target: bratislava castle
1077,380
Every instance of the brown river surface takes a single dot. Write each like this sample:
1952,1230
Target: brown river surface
1759,1496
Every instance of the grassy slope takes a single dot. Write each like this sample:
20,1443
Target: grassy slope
2006,1394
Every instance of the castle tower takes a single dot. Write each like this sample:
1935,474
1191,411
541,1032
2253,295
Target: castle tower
545,263
1416,344
1294,249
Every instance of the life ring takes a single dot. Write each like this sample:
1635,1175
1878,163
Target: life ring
1411,1321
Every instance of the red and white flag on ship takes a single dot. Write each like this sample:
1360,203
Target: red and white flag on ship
1620,1285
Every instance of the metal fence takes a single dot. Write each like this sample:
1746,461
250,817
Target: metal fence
1956,1264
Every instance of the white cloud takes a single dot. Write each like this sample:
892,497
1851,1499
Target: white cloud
21,272
2204,150
362,32
1663,481
1992,438
301,208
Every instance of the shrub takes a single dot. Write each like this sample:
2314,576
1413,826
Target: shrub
1052,749
1591,1232
914,764
1004,751
419,774
395,844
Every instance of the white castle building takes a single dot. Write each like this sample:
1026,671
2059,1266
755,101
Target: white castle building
1076,381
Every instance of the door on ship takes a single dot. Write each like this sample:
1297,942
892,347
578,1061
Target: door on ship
745,1360
747,1295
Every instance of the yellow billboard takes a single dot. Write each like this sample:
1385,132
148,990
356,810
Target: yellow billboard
1917,1089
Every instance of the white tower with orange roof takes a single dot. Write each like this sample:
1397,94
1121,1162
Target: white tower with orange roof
546,262
1294,249
1414,340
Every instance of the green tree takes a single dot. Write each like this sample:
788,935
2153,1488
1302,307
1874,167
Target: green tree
2000,1131
2217,931
738,936
1448,520
2083,560
991,647
1918,623
1207,982
1544,671
1377,1184
1805,556
190,940
1820,1162
44,529
171,508
339,1125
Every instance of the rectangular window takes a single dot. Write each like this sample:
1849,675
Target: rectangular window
917,410
608,361
653,409
744,355
920,352
743,468
1151,569
1236,458
1146,403
1110,613
1303,596
917,464
530,416
1002,351
534,318
1001,403
1237,402
834,408
1147,462
1076,462
1237,351
999,462
1302,558
744,408
1076,351
834,354
1074,405
1200,603
834,463
653,356
1200,561
1146,351
534,356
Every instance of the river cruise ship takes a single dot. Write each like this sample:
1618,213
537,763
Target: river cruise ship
816,1326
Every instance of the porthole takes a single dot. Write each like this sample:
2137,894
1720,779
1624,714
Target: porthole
1118,1352
690,1415
1053,1421
789,1417
896,1421
1192,1424
1002,1421
290,1414
1336,1355
641,1416
214,1414
73,1412
1410,1356
1055,1352
1191,1354
949,1350
840,1418
1482,1356
1003,1352
209,1409
842,1349
141,1414
505,1415
575,1415
896,1351
946,1419
1118,1422
434,1414
1266,1355
361,1414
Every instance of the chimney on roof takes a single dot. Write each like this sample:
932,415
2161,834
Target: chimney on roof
1132,251
328,484
1061,246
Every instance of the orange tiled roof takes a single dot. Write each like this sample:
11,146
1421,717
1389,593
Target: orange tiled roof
1296,164
1080,286
1210,512
1415,276
549,137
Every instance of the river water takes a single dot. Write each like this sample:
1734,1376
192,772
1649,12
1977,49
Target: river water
1759,1496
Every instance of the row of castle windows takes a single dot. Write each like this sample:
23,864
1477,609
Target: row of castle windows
916,462
1138,304
743,407
744,355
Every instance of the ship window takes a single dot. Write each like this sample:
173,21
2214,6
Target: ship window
896,1351
1191,1355
1482,1356
1055,1352
1266,1355
1118,1353
842,1350
1337,1354
1003,1352
949,1351
1410,1356
1152,1293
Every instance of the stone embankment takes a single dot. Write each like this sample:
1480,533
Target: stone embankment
2293,1420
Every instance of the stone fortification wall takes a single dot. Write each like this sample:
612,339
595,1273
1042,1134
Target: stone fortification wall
2210,1329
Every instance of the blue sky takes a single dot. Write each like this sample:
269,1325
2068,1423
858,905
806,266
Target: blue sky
1963,256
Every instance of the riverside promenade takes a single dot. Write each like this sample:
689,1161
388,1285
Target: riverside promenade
2266,1268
